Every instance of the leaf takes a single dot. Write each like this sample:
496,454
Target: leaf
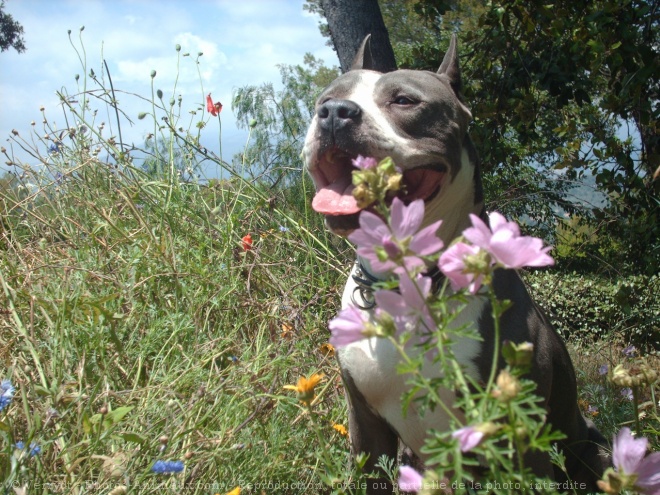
115,416
133,438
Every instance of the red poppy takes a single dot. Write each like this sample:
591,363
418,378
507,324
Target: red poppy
246,242
213,108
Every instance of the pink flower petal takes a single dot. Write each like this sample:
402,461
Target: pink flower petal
409,307
405,220
364,162
648,474
505,243
347,327
409,479
479,234
391,302
426,242
452,264
498,221
468,438
628,451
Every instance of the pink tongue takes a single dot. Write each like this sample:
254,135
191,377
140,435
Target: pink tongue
336,198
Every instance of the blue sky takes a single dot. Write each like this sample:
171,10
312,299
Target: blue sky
242,42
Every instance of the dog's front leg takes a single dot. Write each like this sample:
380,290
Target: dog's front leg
370,434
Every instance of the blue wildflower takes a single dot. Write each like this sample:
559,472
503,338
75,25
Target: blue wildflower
34,448
627,393
283,228
7,393
630,351
603,369
167,467
54,148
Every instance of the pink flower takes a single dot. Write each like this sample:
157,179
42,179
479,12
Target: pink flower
347,327
408,307
453,264
504,242
364,162
468,437
388,248
409,479
628,458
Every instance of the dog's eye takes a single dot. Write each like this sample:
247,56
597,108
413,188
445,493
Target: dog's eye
403,100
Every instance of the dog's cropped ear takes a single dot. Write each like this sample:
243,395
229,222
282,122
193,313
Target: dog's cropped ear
450,68
363,59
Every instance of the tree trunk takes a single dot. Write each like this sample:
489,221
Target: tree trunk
349,22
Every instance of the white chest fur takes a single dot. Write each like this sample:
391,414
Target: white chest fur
372,363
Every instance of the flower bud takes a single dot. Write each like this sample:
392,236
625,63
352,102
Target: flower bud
364,195
508,387
621,377
159,94
518,355
142,115
394,182
153,74
177,47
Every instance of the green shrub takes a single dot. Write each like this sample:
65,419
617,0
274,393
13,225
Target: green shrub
591,307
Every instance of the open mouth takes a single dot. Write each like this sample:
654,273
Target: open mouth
334,186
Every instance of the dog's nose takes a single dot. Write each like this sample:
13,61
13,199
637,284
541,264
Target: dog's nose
334,115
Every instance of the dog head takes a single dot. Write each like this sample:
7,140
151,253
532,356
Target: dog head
416,117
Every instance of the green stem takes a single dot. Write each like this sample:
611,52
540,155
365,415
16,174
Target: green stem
496,313
638,426
518,442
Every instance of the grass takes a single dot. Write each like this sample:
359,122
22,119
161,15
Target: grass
130,308
135,326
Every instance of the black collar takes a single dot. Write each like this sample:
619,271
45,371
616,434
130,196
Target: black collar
364,284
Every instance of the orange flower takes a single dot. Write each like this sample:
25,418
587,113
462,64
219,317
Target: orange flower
287,331
305,388
246,242
327,349
213,108
341,429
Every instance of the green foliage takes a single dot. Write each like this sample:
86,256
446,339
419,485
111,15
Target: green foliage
11,32
591,308
559,91
135,326
278,121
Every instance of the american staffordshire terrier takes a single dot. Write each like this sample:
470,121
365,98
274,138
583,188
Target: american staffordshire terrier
420,120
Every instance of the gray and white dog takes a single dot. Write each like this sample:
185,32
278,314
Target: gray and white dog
420,120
